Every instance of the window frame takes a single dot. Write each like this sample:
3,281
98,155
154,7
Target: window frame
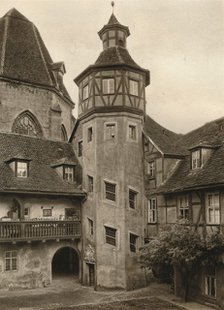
151,168
210,280
113,133
152,216
133,246
131,136
196,163
80,148
133,87
72,173
213,208
45,212
90,227
109,237
18,161
90,183
113,193
90,134
10,261
132,202
185,208
107,89
85,92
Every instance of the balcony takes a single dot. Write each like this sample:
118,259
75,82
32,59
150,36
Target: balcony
14,231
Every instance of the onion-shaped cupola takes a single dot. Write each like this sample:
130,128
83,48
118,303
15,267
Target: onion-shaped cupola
115,82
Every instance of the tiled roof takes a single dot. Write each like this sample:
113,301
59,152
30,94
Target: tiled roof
23,54
41,154
113,20
116,56
183,178
167,141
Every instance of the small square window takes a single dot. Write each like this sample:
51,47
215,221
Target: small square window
133,87
132,199
213,208
133,242
110,191
152,210
21,169
132,132
90,227
26,211
108,86
80,148
10,260
47,212
85,92
110,235
110,131
90,134
90,184
69,173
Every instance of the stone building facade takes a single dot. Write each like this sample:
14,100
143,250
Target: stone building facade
82,198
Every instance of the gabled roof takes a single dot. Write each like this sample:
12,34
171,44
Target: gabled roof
210,135
43,178
24,56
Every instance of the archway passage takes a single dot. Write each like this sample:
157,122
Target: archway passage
65,262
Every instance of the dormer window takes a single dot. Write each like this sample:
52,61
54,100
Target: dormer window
108,86
69,173
21,169
196,159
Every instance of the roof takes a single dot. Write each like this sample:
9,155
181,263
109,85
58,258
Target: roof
167,141
23,54
43,178
113,23
113,20
210,135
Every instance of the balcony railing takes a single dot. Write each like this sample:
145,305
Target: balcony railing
39,230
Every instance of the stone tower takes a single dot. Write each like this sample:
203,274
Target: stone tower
108,140
33,98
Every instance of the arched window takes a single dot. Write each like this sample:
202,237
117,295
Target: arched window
27,124
64,136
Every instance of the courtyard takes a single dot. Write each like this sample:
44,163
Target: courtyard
66,293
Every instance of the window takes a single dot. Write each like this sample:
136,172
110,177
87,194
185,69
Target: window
151,169
196,159
90,184
90,134
108,86
132,199
80,148
85,92
90,227
213,208
110,131
133,87
133,242
26,211
110,235
21,169
110,191
27,124
47,212
69,174
210,282
10,260
152,211
132,132
183,207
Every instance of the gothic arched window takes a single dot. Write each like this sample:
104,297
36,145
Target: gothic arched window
27,124
64,136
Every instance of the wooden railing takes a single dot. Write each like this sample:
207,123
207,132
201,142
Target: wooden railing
39,230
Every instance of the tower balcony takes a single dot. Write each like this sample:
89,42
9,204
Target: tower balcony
39,230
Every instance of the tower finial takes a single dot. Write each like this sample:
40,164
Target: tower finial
112,4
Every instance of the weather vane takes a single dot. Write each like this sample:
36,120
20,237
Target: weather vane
112,4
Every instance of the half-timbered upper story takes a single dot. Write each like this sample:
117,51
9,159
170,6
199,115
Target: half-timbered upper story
184,176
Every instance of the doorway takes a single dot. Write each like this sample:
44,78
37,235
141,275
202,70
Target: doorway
65,262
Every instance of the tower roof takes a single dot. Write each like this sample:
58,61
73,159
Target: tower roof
23,54
112,24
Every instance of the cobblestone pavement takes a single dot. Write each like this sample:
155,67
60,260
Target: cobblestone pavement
64,293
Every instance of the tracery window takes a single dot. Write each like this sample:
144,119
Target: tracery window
26,124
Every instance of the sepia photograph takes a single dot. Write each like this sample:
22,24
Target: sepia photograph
111,154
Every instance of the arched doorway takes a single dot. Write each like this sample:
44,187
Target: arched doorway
65,262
